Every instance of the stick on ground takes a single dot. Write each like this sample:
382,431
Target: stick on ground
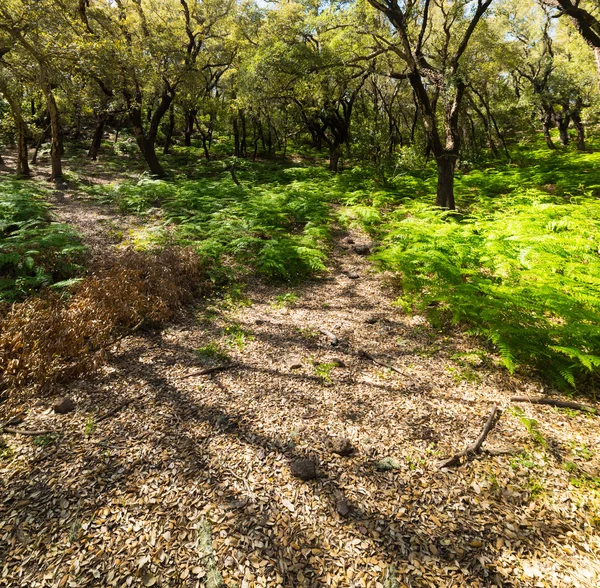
14,431
206,371
378,362
114,410
557,403
475,447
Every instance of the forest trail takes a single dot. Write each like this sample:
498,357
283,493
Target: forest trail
190,483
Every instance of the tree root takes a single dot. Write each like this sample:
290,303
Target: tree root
475,447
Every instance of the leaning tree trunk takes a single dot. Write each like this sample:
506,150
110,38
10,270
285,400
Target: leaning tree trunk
445,185
146,144
56,145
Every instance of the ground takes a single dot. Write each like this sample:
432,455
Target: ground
189,484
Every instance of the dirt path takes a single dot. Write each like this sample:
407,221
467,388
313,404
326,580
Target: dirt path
192,480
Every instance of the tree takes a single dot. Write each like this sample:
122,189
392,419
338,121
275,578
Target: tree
432,38
586,23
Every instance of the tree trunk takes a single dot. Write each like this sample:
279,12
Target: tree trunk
334,157
562,122
146,145
97,139
15,106
190,116
445,186
170,129
22,161
578,124
56,146
547,125
236,138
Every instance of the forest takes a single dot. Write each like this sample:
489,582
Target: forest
299,293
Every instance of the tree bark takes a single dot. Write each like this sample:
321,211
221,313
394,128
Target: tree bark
170,129
15,107
56,148
334,157
578,124
445,185
547,124
97,138
190,117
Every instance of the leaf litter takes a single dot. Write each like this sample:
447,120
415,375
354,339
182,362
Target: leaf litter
190,484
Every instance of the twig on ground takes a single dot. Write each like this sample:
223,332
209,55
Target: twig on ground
14,431
474,447
332,338
207,371
114,410
379,362
557,403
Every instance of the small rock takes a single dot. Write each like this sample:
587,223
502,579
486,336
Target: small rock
64,406
353,276
361,249
305,469
294,364
342,446
259,322
387,464
338,362
350,241
342,507
371,320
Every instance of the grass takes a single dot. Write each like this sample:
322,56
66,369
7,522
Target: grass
211,353
285,300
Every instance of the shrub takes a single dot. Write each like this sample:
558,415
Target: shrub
34,251
52,338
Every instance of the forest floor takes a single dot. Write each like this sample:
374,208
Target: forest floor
189,484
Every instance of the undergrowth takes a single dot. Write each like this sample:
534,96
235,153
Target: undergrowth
521,270
276,224
50,339
34,251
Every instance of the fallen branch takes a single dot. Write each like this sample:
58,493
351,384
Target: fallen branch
474,447
114,410
332,338
207,371
557,403
14,431
379,362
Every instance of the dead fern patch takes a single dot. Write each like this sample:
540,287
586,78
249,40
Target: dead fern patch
52,338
